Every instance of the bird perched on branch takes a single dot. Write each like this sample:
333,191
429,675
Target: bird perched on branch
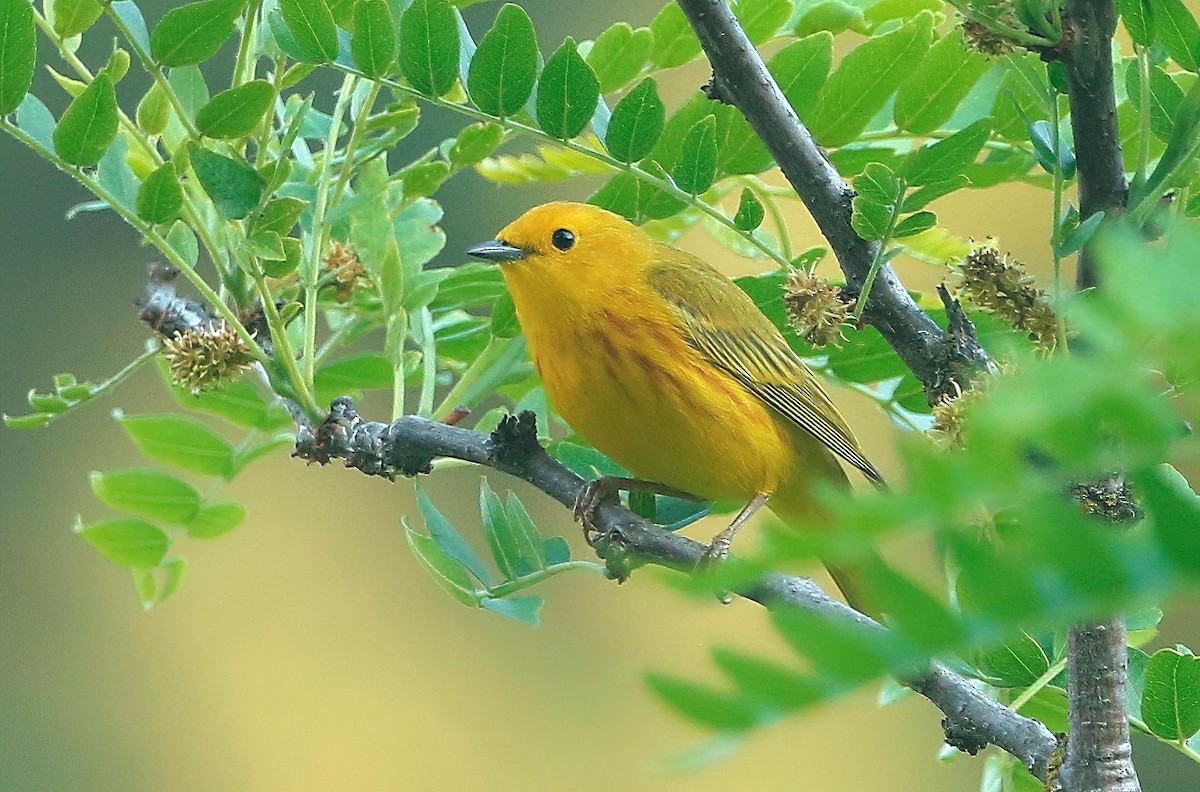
670,369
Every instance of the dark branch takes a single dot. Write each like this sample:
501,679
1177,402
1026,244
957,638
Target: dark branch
1088,66
409,445
1099,756
741,78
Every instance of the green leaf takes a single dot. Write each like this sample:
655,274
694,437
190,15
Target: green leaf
1049,705
445,571
31,421
353,375
914,224
1080,235
147,493
423,179
154,110
237,112
1138,19
766,682
1042,137
866,78
919,199
429,46
216,519
931,94
160,197
514,540
526,609
475,143
1176,28
844,651
72,17
179,440
1171,700
619,54
556,550
18,53
449,539
833,16
801,68
193,33
750,212
280,216
235,188
89,125
947,158
131,543
567,93
697,167
762,19
237,402
172,575
312,26
1018,663
373,44
708,707
878,193
504,68
1165,98
636,123
675,43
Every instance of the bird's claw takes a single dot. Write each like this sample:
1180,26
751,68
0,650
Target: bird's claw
715,555
590,497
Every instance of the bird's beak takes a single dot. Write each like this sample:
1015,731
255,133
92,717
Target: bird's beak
497,250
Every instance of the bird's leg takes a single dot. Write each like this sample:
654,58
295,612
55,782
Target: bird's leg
718,548
606,487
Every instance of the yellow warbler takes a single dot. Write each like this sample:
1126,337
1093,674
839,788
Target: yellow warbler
669,368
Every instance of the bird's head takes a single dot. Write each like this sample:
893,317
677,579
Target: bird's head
562,248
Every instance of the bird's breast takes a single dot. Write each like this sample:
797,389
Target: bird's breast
629,383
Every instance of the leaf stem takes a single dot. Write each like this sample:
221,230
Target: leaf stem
243,67
1041,682
147,231
1143,152
496,358
666,185
532,579
134,132
360,122
428,363
881,255
320,235
156,73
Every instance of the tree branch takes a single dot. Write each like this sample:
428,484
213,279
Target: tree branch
1098,754
1090,91
741,78
1099,757
409,445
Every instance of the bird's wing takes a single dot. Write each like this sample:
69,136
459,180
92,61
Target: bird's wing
721,322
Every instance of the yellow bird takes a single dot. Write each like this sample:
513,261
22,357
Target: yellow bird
670,369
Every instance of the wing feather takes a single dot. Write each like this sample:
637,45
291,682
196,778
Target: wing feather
721,322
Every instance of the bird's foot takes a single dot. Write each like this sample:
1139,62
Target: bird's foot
714,556
594,493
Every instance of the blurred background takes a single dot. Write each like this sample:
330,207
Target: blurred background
307,650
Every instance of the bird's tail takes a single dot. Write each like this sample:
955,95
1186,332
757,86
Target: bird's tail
849,576
800,511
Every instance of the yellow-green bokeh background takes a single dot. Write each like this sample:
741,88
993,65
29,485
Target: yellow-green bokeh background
307,650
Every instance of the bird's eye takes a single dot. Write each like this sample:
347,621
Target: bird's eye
563,239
